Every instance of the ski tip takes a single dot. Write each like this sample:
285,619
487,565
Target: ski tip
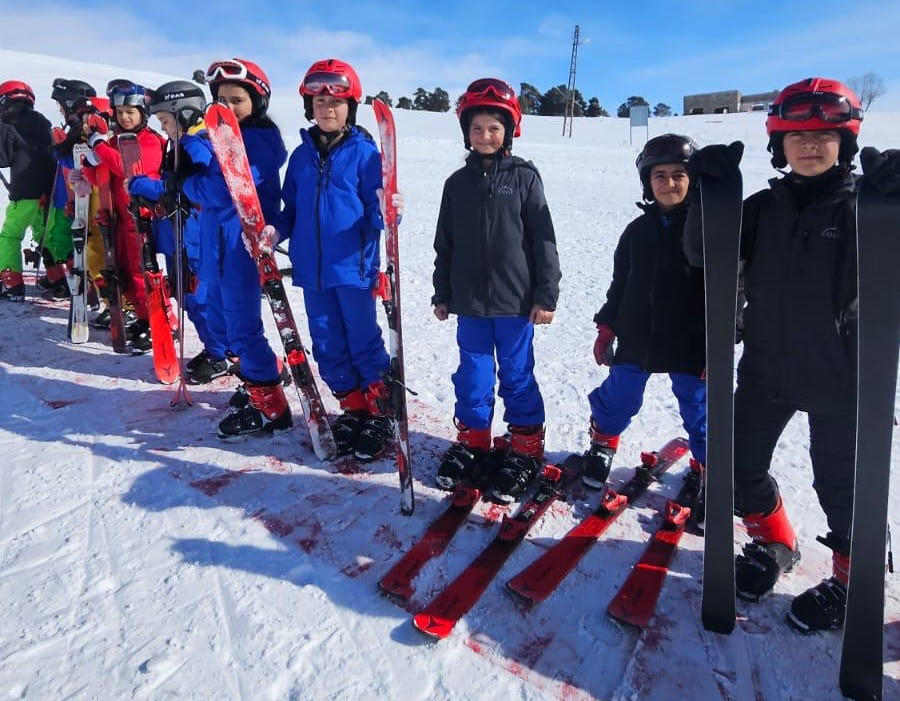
519,593
433,626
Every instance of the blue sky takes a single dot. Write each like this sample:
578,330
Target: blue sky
659,50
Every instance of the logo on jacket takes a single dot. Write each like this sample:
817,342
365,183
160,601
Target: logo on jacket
504,190
832,232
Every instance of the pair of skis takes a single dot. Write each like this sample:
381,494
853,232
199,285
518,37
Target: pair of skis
162,318
878,250
225,136
537,581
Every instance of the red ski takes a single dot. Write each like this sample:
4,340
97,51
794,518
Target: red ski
228,144
537,581
636,600
389,290
442,614
165,359
398,581
106,222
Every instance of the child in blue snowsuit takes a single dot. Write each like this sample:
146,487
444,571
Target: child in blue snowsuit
333,219
497,268
233,308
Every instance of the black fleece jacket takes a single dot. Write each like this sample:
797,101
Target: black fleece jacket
25,150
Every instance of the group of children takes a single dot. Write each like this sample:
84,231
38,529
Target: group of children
497,270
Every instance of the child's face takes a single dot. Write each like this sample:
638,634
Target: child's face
811,153
669,183
330,113
128,117
237,99
486,134
169,124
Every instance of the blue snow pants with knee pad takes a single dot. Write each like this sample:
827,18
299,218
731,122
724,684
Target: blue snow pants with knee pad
615,402
509,340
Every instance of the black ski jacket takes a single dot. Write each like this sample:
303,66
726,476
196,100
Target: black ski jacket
495,243
655,303
25,149
798,247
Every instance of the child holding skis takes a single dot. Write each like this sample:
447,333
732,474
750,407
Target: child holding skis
798,249
332,216
655,309
179,106
25,150
233,310
129,101
496,268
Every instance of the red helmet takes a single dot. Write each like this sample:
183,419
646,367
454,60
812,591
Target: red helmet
815,104
334,77
490,93
240,71
15,90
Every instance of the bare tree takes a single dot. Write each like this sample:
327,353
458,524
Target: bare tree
868,86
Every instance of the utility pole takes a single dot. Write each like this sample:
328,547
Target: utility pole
569,114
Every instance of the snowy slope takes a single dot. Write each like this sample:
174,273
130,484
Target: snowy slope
141,558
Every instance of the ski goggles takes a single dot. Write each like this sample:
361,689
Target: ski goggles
321,82
829,107
123,92
483,86
232,69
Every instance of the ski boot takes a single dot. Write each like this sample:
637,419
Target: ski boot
267,411
522,462
824,606
203,369
698,509
347,426
377,431
464,458
772,551
12,286
598,458
54,281
138,334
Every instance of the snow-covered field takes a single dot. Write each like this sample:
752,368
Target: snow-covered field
141,558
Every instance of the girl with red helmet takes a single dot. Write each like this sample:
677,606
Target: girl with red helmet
798,326
25,150
130,104
497,268
226,270
333,219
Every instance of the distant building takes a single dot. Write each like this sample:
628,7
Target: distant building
727,101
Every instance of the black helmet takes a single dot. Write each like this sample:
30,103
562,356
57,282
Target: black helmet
182,98
668,148
66,91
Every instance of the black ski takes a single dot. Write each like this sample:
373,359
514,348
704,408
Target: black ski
878,250
721,203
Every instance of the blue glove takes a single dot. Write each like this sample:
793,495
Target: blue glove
146,187
198,148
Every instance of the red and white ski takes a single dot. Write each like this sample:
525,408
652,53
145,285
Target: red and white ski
389,291
228,145
537,581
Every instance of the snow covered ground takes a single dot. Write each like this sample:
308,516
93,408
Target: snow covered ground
141,558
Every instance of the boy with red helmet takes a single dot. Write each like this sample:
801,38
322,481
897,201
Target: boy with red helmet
25,150
798,254
497,269
333,218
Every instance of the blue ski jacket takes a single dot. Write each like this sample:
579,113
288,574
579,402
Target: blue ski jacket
331,212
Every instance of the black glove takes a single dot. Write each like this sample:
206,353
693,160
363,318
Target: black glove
715,161
882,169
